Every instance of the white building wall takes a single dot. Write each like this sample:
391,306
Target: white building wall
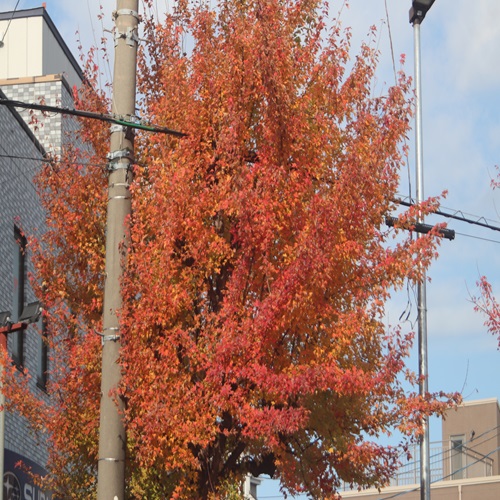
33,47
21,54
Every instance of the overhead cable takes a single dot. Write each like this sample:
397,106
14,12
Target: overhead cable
95,116
457,215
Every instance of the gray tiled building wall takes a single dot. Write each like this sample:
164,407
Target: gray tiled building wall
20,157
25,136
51,129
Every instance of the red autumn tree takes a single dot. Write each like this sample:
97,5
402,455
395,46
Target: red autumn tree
486,303
259,267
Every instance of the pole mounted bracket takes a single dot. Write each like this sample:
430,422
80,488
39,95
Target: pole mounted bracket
114,157
127,130
126,12
112,337
130,37
118,128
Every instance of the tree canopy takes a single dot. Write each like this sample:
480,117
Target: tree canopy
259,268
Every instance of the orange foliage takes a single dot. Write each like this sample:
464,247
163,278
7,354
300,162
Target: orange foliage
259,267
487,304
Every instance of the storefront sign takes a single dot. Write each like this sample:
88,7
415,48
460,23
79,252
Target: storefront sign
17,483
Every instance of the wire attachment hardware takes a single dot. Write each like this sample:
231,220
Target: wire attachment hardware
110,338
115,156
126,130
118,128
126,12
130,36
126,126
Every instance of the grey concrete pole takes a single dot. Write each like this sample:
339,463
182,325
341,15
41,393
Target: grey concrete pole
425,489
112,436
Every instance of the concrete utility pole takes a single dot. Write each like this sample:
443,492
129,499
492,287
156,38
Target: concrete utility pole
112,437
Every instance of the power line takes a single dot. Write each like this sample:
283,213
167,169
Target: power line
444,477
417,488
457,215
53,160
444,452
17,157
436,455
93,116
8,25
390,220
390,42
422,228
21,171
478,238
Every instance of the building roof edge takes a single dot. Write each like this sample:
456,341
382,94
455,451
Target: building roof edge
476,402
42,12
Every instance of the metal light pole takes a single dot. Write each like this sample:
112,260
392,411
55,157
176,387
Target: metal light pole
112,436
418,11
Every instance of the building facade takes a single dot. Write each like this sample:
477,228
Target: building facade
465,465
20,155
36,66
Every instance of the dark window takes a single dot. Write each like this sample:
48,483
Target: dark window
19,274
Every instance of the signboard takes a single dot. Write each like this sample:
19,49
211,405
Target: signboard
17,484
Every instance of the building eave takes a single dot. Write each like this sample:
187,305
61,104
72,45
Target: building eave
42,12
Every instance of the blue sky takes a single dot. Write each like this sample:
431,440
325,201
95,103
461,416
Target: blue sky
461,106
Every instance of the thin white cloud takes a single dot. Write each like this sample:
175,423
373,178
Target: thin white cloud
472,40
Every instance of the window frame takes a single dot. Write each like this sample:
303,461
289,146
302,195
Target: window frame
42,362
20,245
457,456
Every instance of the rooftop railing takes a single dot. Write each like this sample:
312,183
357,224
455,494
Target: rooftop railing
447,462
